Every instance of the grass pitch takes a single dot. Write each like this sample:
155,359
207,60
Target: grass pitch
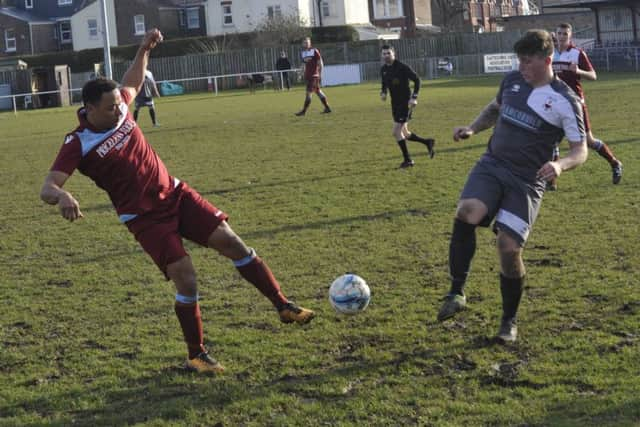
88,335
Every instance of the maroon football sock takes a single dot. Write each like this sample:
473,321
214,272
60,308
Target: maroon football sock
191,323
258,273
605,152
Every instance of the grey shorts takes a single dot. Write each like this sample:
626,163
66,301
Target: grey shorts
144,102
513,202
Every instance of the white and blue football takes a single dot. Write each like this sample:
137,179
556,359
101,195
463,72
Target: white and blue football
349,294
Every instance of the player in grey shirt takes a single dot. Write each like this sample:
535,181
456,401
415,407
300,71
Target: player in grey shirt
145,96
532,111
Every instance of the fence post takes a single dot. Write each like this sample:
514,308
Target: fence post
15,110
607,57
215,85
637,52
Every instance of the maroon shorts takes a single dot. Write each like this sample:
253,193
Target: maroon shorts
585,117
187,215
313,84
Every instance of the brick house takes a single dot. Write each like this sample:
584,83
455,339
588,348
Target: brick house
478,15
37,26
402,16
175,18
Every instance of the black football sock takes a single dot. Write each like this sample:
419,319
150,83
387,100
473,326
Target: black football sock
414,137
152,113
511,290
405,152
461,250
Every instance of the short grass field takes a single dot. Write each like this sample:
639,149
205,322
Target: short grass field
88,335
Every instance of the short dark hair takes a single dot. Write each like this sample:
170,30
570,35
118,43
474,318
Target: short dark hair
387,47
93,89
566,26
534,42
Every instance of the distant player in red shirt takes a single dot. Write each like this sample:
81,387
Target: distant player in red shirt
158,209
312,75
571,64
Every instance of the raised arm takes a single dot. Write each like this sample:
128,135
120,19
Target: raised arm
53,194
134,77
485,120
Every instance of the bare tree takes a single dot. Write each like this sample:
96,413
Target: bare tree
282,30
450,13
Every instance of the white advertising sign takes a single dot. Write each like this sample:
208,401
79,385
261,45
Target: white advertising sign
500,63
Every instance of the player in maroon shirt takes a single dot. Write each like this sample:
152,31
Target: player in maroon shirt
571,64
312,74
157,208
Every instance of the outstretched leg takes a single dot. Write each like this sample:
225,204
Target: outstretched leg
253,269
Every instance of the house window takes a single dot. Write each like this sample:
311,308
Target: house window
388,9
138,25
325,8
28,4
65,32
274,11
92,23
10,40
193,18
64,2
227,15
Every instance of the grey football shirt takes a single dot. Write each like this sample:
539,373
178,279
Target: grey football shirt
531,122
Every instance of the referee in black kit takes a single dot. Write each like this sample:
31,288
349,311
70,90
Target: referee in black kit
395,77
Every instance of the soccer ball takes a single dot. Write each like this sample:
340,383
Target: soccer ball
349,294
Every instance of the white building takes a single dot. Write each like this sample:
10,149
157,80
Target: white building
231,16
87,29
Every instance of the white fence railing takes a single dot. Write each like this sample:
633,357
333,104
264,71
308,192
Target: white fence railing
604,59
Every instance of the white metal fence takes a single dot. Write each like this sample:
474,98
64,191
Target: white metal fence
617,59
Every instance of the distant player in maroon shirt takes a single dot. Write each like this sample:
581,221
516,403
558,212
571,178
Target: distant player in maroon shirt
158,209
312,61
571,64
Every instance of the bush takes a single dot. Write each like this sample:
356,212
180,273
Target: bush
338,33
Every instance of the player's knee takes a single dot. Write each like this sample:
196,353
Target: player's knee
184,277
471,211
510,250
226,242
